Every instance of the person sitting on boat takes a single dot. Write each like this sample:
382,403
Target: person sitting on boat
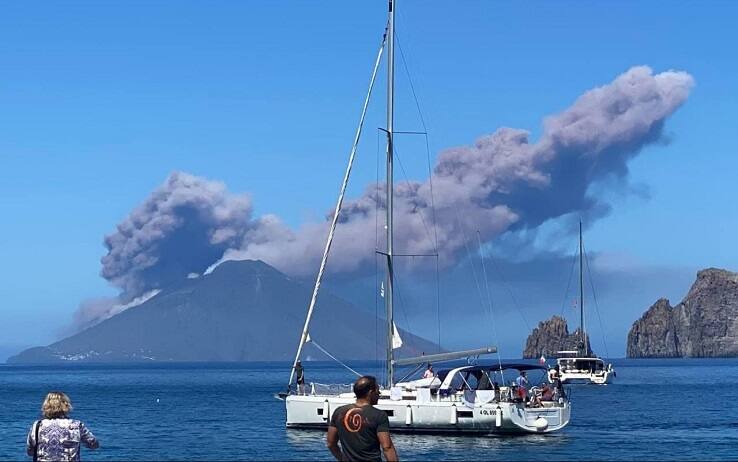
522,384
57,437
429,374
360,428
547,393
300,377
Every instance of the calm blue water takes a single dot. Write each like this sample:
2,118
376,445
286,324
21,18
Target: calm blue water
657,409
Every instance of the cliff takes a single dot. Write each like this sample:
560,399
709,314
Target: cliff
551,336
704,324
242,311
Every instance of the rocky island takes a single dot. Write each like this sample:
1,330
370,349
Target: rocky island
549,337
704,324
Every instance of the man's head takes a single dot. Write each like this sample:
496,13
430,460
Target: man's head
522,373
430,366
366,388
299,363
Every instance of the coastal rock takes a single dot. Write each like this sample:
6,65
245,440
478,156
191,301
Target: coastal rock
704,324
551,336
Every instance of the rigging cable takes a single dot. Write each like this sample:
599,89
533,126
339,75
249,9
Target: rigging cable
510,291
568,284
486,307
409,185
489,299
315,344
430,184
471,262
597,308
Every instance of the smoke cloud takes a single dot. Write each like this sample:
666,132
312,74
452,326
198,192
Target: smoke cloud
185,225
502,182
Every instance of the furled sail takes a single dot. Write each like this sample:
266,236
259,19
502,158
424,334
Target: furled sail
396,339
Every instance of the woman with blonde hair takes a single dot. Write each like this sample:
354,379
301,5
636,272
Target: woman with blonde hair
56,437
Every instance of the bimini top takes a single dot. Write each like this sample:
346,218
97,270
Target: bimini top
447,376
505,366
491,367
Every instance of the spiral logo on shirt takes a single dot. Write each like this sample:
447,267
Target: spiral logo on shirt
353,420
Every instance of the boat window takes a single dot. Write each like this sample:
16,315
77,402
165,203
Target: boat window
463,381
471,381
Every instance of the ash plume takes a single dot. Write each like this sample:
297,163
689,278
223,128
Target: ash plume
183,226
503,182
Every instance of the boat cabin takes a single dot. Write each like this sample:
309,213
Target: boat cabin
581,365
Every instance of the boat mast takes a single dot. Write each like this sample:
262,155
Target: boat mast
388,299
583,347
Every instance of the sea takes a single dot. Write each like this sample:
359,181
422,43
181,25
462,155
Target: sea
680,409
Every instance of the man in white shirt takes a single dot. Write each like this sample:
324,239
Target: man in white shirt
429,374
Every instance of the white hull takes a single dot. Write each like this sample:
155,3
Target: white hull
602,378
578,370
448,415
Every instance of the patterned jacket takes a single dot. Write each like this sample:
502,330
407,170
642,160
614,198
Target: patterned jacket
59,439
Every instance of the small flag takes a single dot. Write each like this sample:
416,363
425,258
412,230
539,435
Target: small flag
308,339
396,340
381,289
542,360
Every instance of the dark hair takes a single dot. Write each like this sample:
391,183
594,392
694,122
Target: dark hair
364,385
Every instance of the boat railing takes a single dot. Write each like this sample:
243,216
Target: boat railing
330,389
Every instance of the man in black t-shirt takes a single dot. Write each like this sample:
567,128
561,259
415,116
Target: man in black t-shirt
360,427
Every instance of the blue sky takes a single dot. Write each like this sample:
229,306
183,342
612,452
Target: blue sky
100,101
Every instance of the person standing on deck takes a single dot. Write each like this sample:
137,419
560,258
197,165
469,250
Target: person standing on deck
300,377
429,374
56,437
522,383
556,381
361,429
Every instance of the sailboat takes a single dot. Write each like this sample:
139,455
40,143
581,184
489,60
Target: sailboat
581,365
469,399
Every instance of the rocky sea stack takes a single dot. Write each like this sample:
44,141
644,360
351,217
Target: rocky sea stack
549,337
704,324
